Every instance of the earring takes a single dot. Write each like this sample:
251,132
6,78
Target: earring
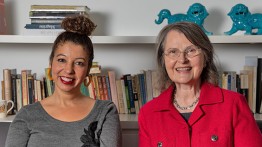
49,75
88,80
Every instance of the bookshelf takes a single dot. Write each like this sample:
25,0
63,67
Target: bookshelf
138,44
121,39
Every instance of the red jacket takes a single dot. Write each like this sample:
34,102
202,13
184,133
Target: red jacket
222,118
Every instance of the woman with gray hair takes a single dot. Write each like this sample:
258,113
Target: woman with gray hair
192,109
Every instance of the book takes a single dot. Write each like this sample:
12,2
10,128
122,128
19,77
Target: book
43,26
19,99
13,87
243,88
149,92
60,8
124,95
8,87
155,88
31,94
120,96
249,74
7,84
42,32
24,82
135,94
3,25
105,88
129,87
259,86
251,63
100,87
42,14
46,20
112,81
229,80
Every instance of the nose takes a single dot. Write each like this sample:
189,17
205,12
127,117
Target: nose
182,57
69,68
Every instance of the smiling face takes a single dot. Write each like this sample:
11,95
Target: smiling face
183,69
69,67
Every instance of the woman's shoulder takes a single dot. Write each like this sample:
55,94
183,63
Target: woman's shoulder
30,107
104,106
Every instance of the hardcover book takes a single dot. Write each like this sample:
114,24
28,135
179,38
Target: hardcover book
59,8
3,25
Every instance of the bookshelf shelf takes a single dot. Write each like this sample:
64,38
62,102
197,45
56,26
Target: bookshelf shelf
217,39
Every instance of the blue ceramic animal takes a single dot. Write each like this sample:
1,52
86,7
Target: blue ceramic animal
196,13
245,21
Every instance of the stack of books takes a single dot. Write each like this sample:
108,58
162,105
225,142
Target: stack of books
46,19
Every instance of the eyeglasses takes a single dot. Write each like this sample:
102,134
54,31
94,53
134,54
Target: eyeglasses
190,52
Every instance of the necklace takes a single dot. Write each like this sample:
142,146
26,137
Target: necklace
187,107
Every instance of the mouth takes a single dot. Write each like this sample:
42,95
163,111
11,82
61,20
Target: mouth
67,80
183,69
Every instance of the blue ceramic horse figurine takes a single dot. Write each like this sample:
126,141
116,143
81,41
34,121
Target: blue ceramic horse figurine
196,13
245,21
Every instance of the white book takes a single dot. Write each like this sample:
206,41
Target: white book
42,32
124,95
251,64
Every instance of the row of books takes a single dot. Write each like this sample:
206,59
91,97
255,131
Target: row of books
49,17
128,93
247,81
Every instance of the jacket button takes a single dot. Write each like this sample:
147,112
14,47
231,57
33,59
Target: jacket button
214,137
159,144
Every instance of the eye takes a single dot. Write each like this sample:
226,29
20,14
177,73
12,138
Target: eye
191,50
172,51
80,63
61,60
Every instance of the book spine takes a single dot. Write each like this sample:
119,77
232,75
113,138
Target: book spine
19,92
120,96
7,84
31,94
43,26
128,84
105,89
14,92
24,87
124,95
108,88
112,80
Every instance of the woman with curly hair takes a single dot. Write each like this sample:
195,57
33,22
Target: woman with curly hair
67,117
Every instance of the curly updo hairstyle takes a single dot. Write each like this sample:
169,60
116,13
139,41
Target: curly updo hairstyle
77,30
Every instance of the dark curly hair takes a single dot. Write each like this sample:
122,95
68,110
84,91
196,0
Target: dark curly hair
77,30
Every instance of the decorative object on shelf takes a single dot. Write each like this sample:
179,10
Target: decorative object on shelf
245,21
196,13
4,107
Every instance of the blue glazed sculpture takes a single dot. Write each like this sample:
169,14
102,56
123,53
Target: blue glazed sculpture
245,21
196,13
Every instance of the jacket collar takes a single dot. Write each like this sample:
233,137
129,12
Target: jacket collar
209,94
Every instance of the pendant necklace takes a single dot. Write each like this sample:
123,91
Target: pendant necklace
187,107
